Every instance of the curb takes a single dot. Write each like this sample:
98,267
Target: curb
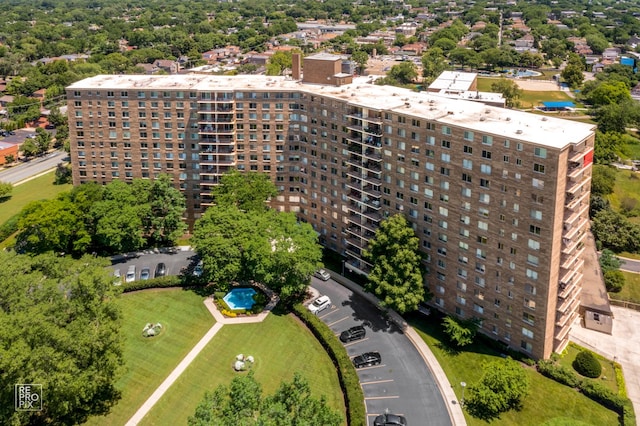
446,390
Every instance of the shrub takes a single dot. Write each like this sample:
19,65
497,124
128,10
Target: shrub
622,388
602,395
349,381
614,281
160,282
10,227
460,332
558,373
587,365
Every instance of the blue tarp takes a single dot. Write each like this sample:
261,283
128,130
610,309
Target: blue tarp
559,104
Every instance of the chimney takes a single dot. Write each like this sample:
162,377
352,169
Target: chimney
296,72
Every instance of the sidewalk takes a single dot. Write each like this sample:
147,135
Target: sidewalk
622,346
450,399
193,353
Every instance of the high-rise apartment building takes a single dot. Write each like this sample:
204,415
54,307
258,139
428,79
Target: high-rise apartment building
499,198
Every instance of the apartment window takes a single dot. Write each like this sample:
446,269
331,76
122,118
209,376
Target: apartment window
446,130
485,168
468,136
446,144
534,229
478,308
538,168
485,198
445,171
487,140
484,183
534,245
486,154
467,164
540,152
466,192
531,274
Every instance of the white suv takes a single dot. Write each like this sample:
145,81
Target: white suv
319,305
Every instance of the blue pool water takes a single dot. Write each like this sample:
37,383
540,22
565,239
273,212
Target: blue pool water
240,298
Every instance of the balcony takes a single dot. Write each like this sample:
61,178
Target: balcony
571,216
215,118
217,140
573,189
574,201
372,190
356,242
572,231
215,130
566,319
567,289
578,156
355,147
576,171
373,130
373,154
572,244
570,261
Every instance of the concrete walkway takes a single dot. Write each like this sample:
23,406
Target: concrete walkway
187,360
451,401
622,346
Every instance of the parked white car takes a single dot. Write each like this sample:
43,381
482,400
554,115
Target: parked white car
322,274
319,305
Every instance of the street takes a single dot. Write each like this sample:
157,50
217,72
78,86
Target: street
33,167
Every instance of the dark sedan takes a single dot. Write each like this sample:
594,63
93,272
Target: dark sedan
354,333
161,270
367,359
390,420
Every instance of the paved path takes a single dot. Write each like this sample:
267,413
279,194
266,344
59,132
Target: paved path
187,360
622,346
630,265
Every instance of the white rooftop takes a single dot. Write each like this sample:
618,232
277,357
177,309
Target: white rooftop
500,122
455,81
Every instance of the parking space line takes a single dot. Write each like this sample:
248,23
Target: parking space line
368,368
377,414
329,313
355,341
376,382
382,397
335,322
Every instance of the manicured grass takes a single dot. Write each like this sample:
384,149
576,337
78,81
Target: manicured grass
281,345
548,401
608,377
148,361
631,289
531,99
40,188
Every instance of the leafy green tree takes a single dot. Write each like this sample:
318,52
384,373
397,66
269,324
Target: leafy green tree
62,174
614,231
5,189
280,61
42,141
608,93
247,191
572,73
433,64
509,90
503,386
56,118
29,148
587,364
52,225
8,159
609,261
242,403
614,281
404,73
603,179
360,57
396,277
606,147
615,117
460,332
164,225
60,327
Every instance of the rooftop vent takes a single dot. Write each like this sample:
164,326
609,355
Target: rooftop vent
407,104
519,132
544,118
508,118
482,119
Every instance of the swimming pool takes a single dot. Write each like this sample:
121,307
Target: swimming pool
240,298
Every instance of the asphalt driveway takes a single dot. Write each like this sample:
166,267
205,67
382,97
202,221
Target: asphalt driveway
402,383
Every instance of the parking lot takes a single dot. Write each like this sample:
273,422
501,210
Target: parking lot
174,259
401,383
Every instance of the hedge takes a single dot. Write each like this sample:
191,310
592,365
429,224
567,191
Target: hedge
160,282
590,389
349,381
10,227
587,365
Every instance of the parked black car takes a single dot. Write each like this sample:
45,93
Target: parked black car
367,359
354,333
161,270
390,420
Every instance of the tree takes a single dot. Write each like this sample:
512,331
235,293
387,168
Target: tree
433,63
280,61
360,57
608,93
460,332
5,189
59,327
587,364
42,141
396,276
242,404
166,206
403,73
503,386
52,225
29,148
62,174
609,261
509,90
247,191
603,180
572,73
614,231
8,159
614,281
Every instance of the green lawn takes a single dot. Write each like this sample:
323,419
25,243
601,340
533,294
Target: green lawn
548,401
608,377
281,346
631,289
626,193
531,99
37,189
150,360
